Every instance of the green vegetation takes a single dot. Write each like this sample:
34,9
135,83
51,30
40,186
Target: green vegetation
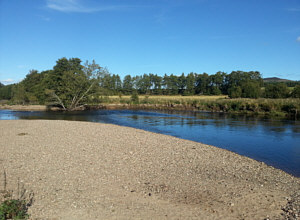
14,207
276,91
262,106
134,98
71,85
296,92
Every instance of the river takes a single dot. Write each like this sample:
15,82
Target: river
273,141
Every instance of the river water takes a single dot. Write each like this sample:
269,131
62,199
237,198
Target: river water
273,141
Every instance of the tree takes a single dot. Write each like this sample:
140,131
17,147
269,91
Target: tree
156,82
33,86
144,84
190,84
276,91
118,82
250,89
217,83
235,92
181,83
127,84
246,81
19,94
6,92
70,84
202,83
214,90
296,92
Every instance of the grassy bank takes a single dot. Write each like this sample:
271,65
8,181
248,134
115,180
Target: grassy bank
289,107
272,107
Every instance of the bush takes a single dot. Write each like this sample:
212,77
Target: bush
276,91
235,106
251,90
14,207
134,97
296,92
235,92
215,91
289,108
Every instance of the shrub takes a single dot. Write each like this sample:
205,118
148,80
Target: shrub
276,91
14,207
251,90
134,97
296,92
235,92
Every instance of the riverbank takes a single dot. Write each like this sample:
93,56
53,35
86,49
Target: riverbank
279,108
81,170
24,107
289,108
29,108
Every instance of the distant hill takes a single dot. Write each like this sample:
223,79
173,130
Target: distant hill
276,79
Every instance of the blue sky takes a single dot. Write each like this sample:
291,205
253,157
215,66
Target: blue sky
152,36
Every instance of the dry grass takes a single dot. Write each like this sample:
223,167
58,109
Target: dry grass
275,107
171,98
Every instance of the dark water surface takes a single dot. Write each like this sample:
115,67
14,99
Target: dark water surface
273,141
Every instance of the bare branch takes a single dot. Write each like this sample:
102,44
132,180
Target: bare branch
59,100
84,94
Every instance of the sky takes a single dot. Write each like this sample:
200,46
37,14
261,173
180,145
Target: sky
151,36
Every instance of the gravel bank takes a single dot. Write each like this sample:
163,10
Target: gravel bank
83,170
24,107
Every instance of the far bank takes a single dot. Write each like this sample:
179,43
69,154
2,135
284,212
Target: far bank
284,108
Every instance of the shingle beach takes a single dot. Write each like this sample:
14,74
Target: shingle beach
85,170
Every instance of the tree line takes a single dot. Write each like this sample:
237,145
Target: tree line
71,84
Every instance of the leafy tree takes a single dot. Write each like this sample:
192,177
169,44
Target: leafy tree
106,82
235,92
34,87
250,89
117,82
166,83
217,82
135,81
6,92
296,92
214,90
70,84
275,91
112,83
202,83
237,78
19,95
190,84
127,84
181,83
156,82
246,81
173,84
143,84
